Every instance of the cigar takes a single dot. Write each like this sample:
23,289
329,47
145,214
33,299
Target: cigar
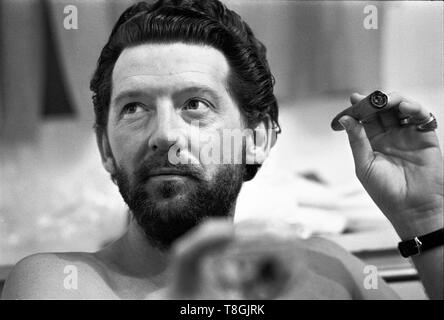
364,110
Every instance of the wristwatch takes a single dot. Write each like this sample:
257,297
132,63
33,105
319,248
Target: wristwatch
420,244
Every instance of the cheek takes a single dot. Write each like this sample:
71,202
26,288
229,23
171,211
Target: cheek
222,146
125,148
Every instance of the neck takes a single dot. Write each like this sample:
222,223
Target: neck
136,256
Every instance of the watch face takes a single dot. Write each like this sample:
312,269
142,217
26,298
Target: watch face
378,99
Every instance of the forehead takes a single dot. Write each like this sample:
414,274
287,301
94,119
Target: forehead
169,66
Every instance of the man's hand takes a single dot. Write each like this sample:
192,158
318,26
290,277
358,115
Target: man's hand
402,170
252,260
258,260
400,167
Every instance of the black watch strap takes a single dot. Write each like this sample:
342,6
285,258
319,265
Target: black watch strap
420,244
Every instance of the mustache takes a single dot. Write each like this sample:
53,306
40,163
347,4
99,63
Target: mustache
153,166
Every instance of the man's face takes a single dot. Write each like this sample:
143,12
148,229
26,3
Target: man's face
160,94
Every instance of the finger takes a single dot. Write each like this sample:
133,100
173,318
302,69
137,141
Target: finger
356,97
188,253
395,98
395,101
373,126
389,119
359,143
414,110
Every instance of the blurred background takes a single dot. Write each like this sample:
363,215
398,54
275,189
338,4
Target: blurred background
54,193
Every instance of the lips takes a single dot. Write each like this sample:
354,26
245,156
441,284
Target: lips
167,172
154,169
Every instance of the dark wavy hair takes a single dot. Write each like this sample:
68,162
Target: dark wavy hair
204,22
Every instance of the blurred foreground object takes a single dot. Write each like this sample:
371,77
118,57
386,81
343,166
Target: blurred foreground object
256,260
257,265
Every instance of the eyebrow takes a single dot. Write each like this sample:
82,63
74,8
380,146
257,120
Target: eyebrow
138,93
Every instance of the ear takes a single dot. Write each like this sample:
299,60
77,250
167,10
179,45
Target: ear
259,142
105,152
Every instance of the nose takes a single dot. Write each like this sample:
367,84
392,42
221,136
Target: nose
166,128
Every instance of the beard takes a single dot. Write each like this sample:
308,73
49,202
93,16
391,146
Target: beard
169,208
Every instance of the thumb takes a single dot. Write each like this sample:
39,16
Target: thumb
359,143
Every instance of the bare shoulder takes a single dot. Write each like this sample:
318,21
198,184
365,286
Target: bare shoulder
55,276
331,249
325,246
365,285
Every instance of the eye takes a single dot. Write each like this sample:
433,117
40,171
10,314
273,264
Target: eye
196,104
132,108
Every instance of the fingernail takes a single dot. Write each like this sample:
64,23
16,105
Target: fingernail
344,122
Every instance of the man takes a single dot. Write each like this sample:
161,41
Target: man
173,66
